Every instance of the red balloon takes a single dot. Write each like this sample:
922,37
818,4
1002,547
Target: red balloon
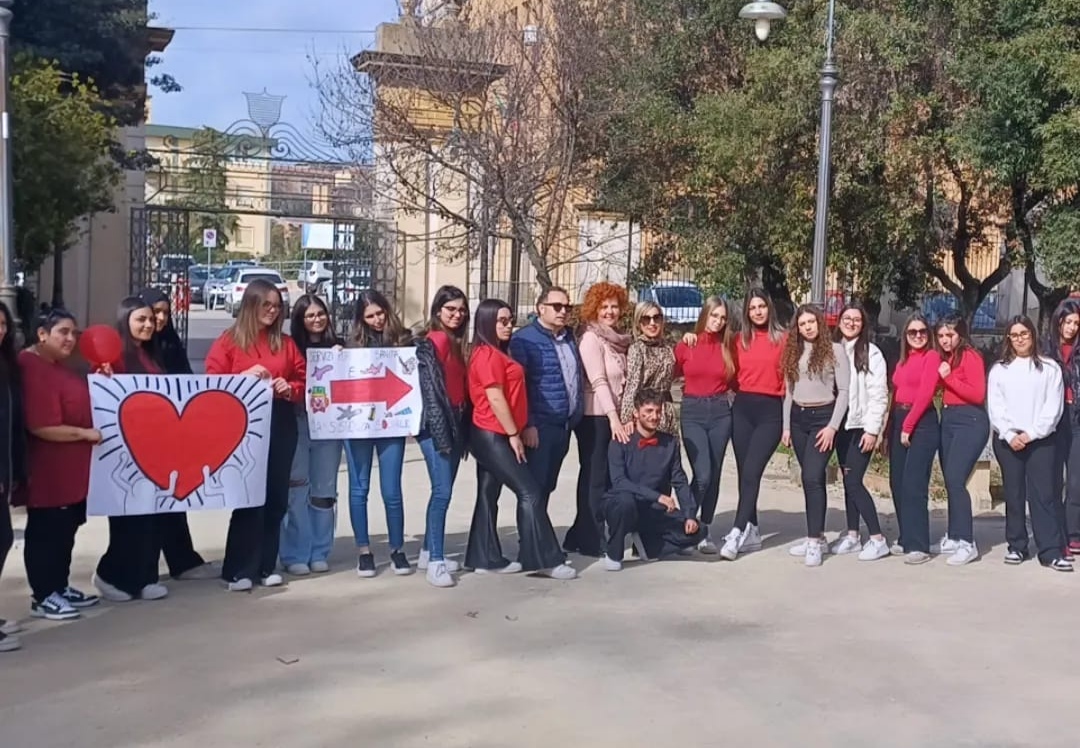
101,344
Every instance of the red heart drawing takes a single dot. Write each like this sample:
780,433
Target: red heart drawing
161,440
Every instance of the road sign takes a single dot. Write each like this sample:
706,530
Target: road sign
209,238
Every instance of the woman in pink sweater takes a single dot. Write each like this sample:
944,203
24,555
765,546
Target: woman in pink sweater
603,353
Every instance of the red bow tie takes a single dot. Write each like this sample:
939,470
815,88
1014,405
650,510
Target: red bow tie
651,441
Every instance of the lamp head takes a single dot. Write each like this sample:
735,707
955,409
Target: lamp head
763,14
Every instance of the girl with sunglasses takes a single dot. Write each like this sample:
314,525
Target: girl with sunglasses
913,439
650,365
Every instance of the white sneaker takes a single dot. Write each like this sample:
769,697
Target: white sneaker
874,549
438,574
751,539
424,559
272,580
707,547
298,570
110,592
562,571
319,567
896,549
203,571
799,549
612,565
947,546
511,568
732,543
813,553
240,585
9,628
153,592
845,544
9,642
965,553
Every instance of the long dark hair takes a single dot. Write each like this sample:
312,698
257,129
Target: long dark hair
299,332
773,325
393,334
821,350
1064,309
133,364
960,326
168,347
9,371
442,297
1008,351
905,349
487,312
862,342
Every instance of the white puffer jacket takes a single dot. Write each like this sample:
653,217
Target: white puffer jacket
868,401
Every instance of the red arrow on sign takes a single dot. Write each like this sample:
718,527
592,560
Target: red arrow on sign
389,389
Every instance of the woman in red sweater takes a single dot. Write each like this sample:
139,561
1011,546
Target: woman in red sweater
255,346
965,431
913,439
757,414
708,370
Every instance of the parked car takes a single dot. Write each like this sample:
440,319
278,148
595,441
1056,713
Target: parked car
241,264
679,301
216,288
314,272
197,276
341,292
240,279
170,265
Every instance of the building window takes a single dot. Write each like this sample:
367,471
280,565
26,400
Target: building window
245,238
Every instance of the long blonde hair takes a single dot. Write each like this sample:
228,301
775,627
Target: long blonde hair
245,331
727,337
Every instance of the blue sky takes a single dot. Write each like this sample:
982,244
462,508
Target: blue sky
217,67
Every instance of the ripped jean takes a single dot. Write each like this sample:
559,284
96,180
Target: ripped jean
307,534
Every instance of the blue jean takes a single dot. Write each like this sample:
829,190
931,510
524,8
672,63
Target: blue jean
307,534
360,454
442,472
545,461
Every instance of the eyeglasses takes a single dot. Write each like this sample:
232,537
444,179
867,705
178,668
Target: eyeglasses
1022,335
851,320
315,315
269,306
918,332
455,311
504,321
559,308
652,319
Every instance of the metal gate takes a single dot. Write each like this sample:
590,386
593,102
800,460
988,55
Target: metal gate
364,256
160,255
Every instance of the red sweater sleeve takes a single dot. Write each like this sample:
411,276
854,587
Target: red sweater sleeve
924,394
966,384
297,377
219,359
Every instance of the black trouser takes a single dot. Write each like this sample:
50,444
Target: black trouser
7,533
1067,469
909,477
47,546
131,560
757,422
964,431
586,535
661,534
1028,479
174,536
251,547
706,431
496,466
546,460
806,423
854,464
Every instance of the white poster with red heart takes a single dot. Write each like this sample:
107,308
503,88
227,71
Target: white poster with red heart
178,443
363,393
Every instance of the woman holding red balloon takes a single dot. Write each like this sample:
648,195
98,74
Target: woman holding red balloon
255,346
62,435
129,568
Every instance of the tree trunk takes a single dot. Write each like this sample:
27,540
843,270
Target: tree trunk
58,276
774,281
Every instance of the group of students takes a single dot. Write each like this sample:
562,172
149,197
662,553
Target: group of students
513,400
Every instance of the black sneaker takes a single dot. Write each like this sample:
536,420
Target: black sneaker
53,608
400,564
79,599
1059,564
365,565
1015,557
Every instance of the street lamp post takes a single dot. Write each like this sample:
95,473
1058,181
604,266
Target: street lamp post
7,249
763,13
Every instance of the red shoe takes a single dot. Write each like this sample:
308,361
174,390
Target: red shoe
1074,546
1067,554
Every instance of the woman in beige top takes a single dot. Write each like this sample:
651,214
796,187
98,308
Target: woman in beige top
603,355
650,365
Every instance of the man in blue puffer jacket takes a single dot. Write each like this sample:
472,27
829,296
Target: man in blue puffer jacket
553,381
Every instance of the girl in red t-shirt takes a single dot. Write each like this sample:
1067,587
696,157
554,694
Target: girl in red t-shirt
255,346
129,568
441,355
500,411
62,435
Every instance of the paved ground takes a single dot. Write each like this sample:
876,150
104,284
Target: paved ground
761,652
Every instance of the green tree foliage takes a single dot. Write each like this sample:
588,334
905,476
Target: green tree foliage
60,142
202,186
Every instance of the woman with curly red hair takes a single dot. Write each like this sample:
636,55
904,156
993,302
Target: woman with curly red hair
603,354
817,377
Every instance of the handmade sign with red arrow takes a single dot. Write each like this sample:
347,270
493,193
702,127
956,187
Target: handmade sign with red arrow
388,388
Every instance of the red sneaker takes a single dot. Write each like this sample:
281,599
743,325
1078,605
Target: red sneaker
1073,547
1067,554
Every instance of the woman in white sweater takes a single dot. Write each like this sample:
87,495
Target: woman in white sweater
1025,400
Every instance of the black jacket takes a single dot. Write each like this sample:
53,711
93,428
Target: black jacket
12,439
440,419
1070,371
